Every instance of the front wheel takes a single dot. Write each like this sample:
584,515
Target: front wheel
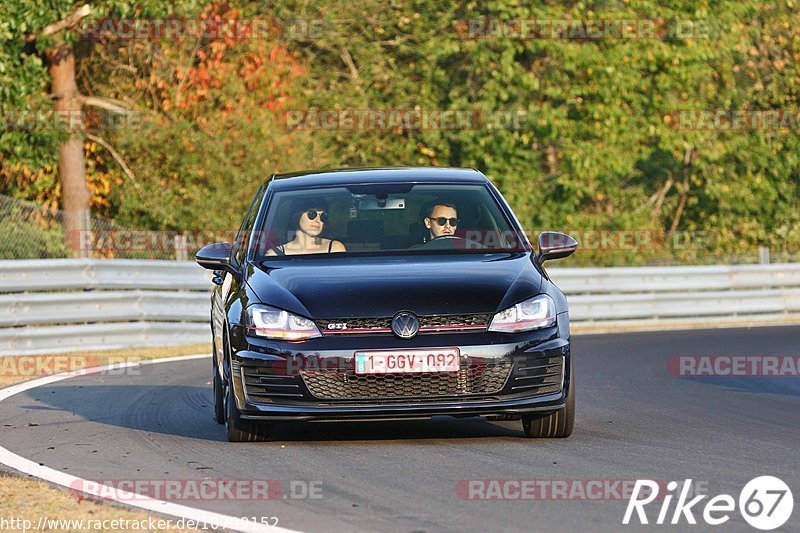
554,425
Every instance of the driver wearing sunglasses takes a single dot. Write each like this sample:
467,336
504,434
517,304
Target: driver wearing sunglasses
442,220
311,216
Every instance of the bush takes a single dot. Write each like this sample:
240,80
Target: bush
30,239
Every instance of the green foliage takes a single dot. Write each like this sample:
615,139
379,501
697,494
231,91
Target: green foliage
28,238
601,142
210,131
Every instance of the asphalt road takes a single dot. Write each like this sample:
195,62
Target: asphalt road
635,420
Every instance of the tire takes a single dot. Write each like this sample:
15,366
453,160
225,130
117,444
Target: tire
238,428
219,394
555,425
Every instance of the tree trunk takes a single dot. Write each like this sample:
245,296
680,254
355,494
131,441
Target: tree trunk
688,157
551,157
71,164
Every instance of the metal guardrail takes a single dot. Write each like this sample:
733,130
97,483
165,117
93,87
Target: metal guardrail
60,305
102,306
66,274
675,278
59,339
49,306
646,298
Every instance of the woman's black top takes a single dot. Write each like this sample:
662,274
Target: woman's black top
279,250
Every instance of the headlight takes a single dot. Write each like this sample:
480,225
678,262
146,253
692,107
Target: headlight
535,313
271,323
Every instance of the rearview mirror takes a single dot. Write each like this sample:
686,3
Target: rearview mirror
555,245
216,256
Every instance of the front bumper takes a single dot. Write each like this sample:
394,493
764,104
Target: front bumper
512,408
272,380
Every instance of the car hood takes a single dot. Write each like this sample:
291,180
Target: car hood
356,287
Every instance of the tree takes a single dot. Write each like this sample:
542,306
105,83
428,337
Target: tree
48,30
210,129
71,164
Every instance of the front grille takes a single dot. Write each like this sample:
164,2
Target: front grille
453,322
427,324
356,326
472,379
538,375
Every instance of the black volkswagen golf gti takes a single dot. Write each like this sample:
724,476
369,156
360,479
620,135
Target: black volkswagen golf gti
395,293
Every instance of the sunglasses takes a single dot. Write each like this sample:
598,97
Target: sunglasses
312,214
442,221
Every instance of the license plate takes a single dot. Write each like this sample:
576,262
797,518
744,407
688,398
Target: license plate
407,361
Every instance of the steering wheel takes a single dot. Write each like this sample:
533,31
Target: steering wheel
450,242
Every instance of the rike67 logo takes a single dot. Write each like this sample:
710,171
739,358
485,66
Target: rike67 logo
765,503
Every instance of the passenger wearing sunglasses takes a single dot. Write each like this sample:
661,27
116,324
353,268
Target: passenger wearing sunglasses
311,216
442,220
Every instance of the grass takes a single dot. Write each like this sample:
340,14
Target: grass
28,499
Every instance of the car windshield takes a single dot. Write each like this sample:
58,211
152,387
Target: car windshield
385,218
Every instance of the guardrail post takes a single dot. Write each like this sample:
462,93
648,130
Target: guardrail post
85,240
180,248
763,255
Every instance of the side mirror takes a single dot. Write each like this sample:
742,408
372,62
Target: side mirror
216,256
555,245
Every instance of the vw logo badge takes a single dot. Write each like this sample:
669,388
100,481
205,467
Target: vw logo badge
405,325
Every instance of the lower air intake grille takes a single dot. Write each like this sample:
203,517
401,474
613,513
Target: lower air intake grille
540,375
477,378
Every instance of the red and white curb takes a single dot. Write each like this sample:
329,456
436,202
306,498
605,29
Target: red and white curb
104,492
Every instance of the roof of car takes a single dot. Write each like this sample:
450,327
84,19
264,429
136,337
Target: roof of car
350,176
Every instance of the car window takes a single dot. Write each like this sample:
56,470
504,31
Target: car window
243,236
375,219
